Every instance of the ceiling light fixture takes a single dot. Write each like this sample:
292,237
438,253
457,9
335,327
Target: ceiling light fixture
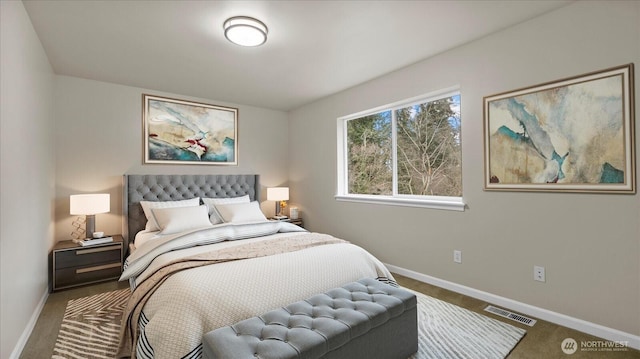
245,31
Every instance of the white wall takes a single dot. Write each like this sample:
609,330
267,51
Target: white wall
27,170
98,138
589,244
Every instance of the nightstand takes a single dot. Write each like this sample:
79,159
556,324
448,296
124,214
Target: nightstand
75,265
298,221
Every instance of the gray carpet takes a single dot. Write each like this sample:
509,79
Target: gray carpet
91,325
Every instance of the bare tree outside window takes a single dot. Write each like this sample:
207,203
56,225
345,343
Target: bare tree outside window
427,154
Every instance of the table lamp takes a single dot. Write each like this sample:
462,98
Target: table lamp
89,205
281,196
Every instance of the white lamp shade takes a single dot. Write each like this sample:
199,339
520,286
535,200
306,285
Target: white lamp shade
88,204
278,194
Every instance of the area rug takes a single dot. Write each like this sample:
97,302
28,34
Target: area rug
446,331
91,326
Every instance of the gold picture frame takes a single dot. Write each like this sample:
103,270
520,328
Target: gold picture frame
571,135
187,132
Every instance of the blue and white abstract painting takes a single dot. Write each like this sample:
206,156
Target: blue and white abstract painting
573,135
186,132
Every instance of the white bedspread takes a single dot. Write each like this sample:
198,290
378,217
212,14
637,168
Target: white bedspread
145,236
195,301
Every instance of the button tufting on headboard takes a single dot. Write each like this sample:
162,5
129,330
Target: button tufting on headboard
179,187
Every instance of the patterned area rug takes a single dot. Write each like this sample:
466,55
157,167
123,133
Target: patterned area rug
91,326
446,331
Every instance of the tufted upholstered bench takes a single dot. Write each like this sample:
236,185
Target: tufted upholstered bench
366,319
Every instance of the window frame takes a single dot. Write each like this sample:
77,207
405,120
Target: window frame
453,203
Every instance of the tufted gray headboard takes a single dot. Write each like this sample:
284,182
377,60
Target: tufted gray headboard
178,187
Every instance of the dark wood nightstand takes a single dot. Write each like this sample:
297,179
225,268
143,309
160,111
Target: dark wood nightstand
75,265
298,221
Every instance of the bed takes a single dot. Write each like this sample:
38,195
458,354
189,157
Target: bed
195,267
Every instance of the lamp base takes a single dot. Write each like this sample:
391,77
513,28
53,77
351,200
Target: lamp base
90,226
280,206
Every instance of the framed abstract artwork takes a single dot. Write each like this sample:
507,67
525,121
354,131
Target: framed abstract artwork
186,132
571,135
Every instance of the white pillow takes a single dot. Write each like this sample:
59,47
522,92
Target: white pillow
214,216
180,219
241,212
148,205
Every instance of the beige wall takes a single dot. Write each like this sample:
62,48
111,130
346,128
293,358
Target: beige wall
99,138
589,244
27,170
64,135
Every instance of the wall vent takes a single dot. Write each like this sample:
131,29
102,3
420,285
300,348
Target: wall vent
510,315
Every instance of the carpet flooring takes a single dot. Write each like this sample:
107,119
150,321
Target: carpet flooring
542,341
90,328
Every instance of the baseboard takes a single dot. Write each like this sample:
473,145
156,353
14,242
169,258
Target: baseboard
22,341
633,341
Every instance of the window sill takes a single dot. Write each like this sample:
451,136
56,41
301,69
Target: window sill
448,204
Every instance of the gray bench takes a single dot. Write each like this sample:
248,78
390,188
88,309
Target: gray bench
362,320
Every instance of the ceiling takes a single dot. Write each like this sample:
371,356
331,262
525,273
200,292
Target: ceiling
314,48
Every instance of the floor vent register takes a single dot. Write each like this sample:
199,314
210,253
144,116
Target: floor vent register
510,315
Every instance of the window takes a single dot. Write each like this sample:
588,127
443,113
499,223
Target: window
408,153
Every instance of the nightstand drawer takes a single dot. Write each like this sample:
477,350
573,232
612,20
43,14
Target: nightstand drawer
73,276
74,265
297,222
88,256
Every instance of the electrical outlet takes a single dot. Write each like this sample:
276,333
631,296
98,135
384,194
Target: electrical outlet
538,274
457,256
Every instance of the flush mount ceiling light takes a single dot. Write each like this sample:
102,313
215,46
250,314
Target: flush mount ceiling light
245,31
